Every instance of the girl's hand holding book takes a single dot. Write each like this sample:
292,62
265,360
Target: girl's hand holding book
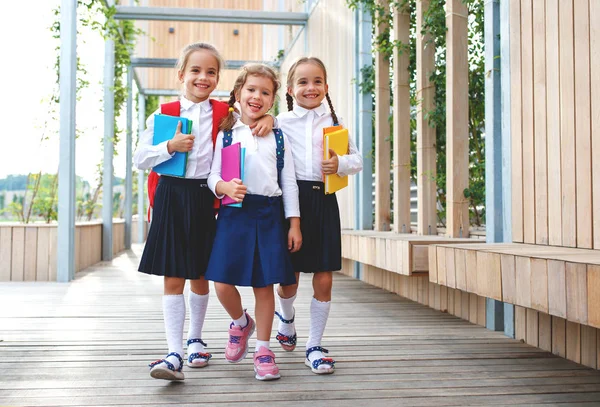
233,189
180,142
331,165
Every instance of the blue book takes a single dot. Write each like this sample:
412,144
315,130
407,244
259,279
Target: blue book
164,129
242,161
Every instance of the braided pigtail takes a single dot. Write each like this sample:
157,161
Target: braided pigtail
229,120
333,115
290,102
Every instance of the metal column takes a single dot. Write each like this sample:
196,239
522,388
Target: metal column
493,148
129,161
509,309
109,130
141,179
66,171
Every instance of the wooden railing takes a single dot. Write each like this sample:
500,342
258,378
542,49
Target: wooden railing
28,252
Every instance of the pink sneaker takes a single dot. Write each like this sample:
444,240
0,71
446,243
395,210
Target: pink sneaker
264,364
237,347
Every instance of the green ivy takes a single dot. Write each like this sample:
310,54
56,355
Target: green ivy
434,23
123,33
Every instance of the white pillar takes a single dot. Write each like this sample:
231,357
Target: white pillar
109,130
66,170
141,178
129,161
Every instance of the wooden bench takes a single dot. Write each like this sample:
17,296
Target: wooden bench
563,282
401,253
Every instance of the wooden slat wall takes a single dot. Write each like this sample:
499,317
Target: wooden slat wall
539,117
553,49
565,289
567,123
595,115
570,340
516,114
553,125
247,45
420,289
583,150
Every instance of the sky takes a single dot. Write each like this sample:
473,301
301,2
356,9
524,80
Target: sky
27,79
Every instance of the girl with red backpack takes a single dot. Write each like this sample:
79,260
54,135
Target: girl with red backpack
182,231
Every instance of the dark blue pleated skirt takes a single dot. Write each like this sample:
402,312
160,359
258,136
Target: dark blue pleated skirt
321,230
182,231
250,246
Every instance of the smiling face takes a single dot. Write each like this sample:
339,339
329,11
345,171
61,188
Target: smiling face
200,75
256,98
308,86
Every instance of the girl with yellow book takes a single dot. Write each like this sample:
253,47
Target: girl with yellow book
321,252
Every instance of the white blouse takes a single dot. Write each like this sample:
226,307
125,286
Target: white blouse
305,129
260,167
199,157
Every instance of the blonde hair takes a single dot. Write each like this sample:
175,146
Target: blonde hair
290,82
247,70
198,46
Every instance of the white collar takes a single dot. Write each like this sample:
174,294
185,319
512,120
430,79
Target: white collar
187,104
301,112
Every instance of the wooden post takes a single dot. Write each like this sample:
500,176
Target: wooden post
401,123
382,129
457,120
426,153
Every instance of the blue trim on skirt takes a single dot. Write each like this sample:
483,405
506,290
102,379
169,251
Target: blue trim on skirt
321,230
182,231
250,247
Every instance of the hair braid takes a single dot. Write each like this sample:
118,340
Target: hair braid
333,115
290,101
229,120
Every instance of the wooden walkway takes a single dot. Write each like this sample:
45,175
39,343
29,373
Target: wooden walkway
88,343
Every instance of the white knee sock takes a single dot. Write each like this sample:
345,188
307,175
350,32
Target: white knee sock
197,304
319,313
174,316
286,309
263,344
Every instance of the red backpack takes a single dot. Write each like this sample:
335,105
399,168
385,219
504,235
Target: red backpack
220,110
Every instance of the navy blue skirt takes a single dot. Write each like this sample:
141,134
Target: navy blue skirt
321,230
250,247
182,231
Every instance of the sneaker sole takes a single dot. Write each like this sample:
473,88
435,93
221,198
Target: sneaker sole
247,343
267,376
318,371
166,374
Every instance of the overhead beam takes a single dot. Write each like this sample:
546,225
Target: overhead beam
210,15
172,62
177,92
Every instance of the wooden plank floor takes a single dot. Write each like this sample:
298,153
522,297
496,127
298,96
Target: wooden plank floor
88,343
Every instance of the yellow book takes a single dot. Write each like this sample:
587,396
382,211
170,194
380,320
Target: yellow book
335,138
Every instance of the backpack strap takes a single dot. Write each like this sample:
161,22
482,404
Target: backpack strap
220,111
280,153
171,108
227,138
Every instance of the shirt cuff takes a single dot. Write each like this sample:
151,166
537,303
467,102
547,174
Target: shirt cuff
342,166
164,151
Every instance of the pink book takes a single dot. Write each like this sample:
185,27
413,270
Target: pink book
230,167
